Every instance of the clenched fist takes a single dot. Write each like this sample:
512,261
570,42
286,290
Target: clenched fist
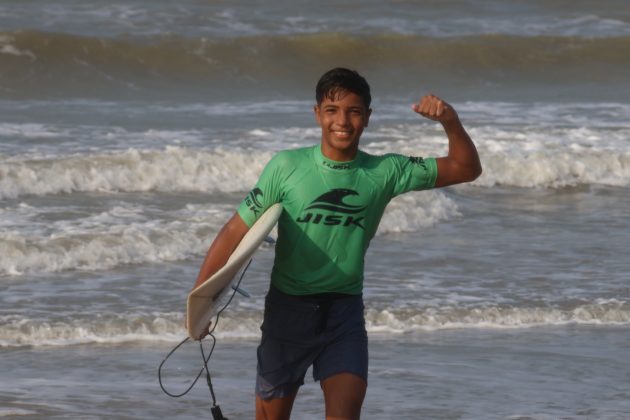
434,108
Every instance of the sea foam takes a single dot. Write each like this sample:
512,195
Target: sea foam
532,164
169,169
127,234
236,325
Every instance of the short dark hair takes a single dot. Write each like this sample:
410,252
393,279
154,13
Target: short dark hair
335,82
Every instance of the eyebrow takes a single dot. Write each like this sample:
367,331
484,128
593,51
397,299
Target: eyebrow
350,108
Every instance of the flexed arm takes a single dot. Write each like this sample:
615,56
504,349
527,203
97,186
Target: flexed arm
462,162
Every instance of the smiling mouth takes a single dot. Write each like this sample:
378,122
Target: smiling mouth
342,134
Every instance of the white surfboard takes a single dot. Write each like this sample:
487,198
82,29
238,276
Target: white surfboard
203,302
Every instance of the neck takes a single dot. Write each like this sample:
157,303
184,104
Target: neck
339,155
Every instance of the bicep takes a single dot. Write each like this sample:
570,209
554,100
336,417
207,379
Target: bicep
449,173
443,172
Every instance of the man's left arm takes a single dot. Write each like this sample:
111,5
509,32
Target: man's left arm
462,163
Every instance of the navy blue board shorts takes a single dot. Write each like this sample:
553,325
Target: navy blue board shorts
326,331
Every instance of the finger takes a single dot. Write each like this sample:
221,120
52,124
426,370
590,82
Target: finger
434,107
426,105
439,108
418,106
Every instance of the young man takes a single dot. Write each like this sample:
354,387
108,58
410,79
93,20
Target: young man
333,196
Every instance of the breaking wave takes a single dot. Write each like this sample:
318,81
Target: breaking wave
48,62
179,169
120,328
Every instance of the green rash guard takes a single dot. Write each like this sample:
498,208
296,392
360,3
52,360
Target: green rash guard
331,211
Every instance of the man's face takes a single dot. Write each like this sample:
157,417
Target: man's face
342,121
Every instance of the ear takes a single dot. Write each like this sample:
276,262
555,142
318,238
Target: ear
367,117
316,110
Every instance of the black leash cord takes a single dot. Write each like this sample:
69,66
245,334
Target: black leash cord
216,411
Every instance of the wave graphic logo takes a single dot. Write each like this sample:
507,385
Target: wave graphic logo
253,201
333,201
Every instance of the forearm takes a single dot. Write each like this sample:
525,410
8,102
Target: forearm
462,152
222,247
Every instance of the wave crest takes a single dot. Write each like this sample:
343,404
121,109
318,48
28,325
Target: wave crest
42,62
119,328
602,312
170,169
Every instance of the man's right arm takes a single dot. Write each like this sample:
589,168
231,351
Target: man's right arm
222,247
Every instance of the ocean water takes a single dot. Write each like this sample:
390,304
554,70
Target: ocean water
129,131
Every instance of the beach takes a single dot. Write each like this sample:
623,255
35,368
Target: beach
130,131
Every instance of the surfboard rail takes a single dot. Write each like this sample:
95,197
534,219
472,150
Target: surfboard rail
201,302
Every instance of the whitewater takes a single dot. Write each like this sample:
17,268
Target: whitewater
129,133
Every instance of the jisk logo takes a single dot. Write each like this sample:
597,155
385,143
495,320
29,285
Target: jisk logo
319,211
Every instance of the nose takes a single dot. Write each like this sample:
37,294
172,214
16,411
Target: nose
342,119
